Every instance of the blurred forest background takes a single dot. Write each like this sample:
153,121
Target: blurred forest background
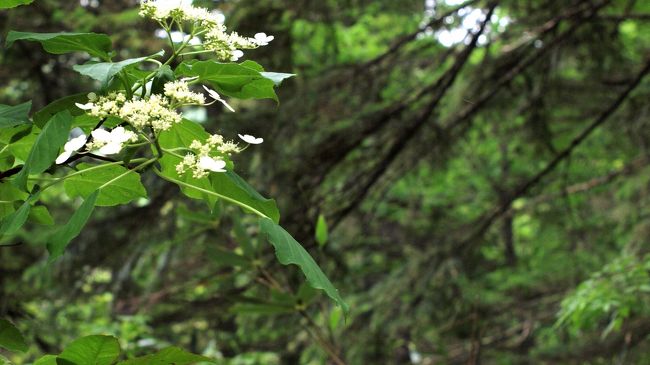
481,166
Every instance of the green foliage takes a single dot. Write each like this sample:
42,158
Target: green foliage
290,252
7,4
116,184
105,71
322,233
72,229
96,45
46,148
614,294
170,355
96,350
243,81
10,337
11,116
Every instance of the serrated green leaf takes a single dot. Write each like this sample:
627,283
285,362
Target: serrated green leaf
91,350
67,103
11,116
105,71
289,251
97,45
230,79
60,240
10,337
120,185
169,356
8,4
46,148
322,232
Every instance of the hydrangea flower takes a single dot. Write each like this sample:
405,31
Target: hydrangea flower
72,146
262,39
111,143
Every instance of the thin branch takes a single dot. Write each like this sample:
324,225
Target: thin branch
550,167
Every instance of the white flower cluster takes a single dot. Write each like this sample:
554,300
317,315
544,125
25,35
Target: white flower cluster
200,162
155,111
103,142
226,46
179,92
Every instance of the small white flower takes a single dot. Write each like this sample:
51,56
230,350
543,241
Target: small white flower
214,95
251,139
111,143
87,106
236,55
72,146
208,163
262,39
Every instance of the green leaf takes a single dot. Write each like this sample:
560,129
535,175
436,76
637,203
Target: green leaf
231,187
97,45
10,337
104,71
230,79
119,185
169,356
91,350
70,230
46,148
7,4
67,103
46,360
11,116
164,74
41,215
322,234
12,223
289,251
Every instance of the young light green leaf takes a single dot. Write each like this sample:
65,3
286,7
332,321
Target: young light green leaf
168,356
8,4
97,45
67,103
60,240
11,116
10,337
46,148
289,251
322,233
91,350
105,71
120,185
230,79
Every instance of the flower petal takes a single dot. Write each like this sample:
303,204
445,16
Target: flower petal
251,139
208,163
63,157
75,144
101,135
